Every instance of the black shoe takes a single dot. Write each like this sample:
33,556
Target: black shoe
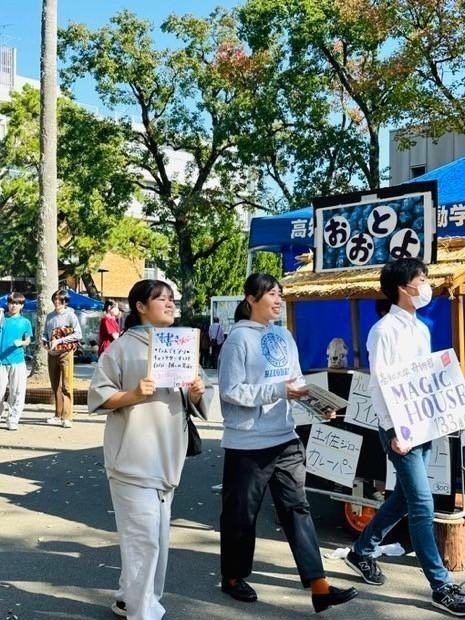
335,596
366,567
241,590
450,598
119,609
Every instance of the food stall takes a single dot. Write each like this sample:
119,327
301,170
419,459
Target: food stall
352,294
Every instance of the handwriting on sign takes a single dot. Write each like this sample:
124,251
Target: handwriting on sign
333,453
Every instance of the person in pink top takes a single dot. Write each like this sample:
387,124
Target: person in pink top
109,325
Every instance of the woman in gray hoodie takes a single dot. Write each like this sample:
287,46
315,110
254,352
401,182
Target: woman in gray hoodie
145,445
259,374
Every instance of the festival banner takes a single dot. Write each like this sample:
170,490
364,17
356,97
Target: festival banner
173,360
369,228
425,398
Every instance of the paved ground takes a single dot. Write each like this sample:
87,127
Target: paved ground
59,557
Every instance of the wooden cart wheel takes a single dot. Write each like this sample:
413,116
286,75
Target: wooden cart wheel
356,517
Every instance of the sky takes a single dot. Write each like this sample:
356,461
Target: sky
20,24
20,28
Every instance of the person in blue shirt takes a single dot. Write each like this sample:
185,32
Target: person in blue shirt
15,336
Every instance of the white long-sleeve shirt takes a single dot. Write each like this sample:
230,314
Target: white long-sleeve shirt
396,339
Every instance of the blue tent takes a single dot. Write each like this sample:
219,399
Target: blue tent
82,302
76,301
317,321
451,197
289,233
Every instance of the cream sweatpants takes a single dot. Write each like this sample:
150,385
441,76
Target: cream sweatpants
13,377
143,522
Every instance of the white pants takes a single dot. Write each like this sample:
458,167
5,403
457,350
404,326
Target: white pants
13,377
143,523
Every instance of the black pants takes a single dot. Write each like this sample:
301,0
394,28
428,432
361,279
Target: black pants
216,348
245,477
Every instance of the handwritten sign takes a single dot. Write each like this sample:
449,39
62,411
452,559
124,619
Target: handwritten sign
439,470
173,356
333,453
426,398
360,408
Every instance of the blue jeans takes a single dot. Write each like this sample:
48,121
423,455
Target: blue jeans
412,497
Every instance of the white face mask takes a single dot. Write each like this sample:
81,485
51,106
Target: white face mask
425,293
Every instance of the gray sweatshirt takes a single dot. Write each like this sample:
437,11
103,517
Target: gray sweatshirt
144,444
255,363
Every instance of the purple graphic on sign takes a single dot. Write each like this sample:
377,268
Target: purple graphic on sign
406,434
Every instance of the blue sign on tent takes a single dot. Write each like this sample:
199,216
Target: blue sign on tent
290,229
451,197
289,233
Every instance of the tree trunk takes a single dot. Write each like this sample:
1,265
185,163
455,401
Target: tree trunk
451,542
89,283
47,263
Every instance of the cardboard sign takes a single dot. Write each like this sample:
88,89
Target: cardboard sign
173,356
333,453
439,470
426,398
360,408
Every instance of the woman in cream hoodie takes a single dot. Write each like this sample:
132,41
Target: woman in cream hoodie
145,445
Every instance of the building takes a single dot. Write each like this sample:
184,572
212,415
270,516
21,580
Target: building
424,154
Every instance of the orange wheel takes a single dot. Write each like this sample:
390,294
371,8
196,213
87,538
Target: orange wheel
356,517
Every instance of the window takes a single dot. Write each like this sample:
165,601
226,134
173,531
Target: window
417,171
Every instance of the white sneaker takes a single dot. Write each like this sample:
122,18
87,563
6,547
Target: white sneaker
54,420
119,609
12,426
67,424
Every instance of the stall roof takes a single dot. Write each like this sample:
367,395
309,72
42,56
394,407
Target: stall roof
445,276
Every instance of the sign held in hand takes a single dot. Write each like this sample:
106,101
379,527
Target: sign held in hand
173,359
425,398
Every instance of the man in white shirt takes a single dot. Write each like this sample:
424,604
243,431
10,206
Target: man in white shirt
398,338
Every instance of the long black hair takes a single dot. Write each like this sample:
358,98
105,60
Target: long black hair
143,291
257,284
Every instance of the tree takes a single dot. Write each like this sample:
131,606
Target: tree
95,190
431,36
47,260
345,43
184,103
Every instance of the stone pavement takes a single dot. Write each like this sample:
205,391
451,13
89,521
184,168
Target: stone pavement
59,556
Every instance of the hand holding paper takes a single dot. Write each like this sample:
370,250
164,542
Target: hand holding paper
196,390
145,387
296,389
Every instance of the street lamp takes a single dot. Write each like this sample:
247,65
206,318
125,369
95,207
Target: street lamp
101,272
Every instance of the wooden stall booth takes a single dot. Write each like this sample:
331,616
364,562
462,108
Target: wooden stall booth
356,290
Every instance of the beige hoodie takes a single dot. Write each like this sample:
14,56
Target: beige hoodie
144,444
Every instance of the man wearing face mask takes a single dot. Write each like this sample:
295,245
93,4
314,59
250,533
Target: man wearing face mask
398,338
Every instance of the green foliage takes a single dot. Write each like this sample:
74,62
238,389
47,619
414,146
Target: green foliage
333,53
96,187
185,105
